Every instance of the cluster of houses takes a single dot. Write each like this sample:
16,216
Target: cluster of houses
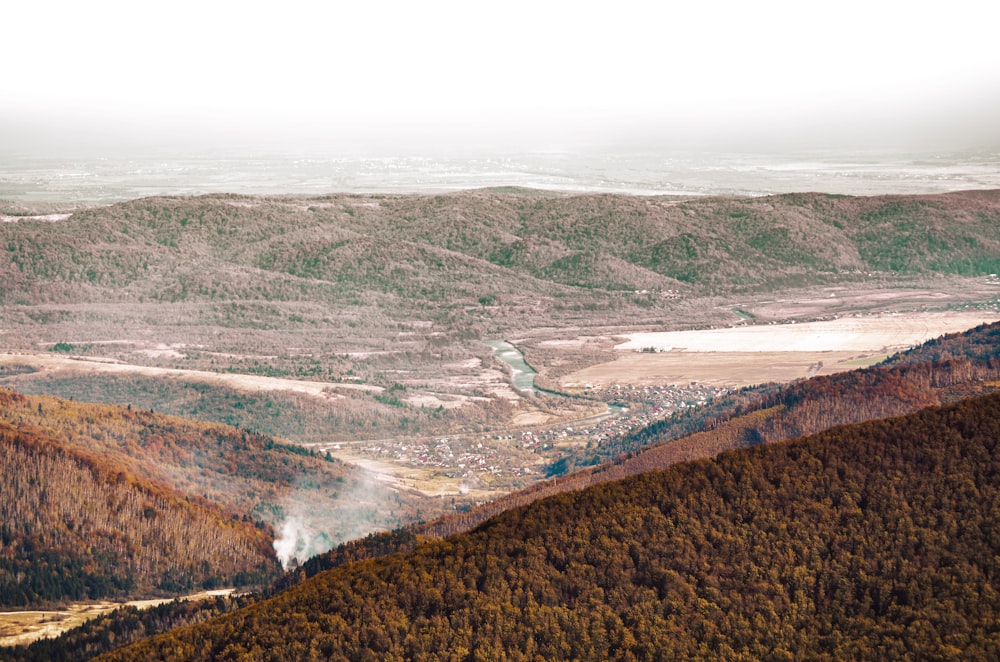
662,399
458,456
633,407
507,456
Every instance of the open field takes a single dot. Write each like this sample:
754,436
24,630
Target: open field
744,356
830,302
404,478
860,334
24,627
728,369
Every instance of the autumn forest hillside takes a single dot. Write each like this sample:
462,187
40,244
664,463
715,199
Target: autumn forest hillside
104,501
76,526
944,370
872,541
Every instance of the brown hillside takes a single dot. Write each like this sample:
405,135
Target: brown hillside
866,542
126,488
77,526
458,247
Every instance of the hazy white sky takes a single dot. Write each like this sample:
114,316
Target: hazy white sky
381,76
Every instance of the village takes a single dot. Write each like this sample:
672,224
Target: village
513,459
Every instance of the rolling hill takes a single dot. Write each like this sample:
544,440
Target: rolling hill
450,250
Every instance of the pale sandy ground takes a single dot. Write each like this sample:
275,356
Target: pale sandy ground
247,383
44,217
727,369
400,477
24,627
532,418
432,400
743,356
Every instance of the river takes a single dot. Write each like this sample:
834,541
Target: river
522,374
524,377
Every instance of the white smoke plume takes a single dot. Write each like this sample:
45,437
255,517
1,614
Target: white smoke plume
307,526
296,542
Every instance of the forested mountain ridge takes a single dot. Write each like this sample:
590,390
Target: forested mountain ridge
455,248
871,541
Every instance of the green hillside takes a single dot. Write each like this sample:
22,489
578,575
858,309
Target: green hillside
452,249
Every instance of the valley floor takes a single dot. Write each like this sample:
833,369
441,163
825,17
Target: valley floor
475,465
